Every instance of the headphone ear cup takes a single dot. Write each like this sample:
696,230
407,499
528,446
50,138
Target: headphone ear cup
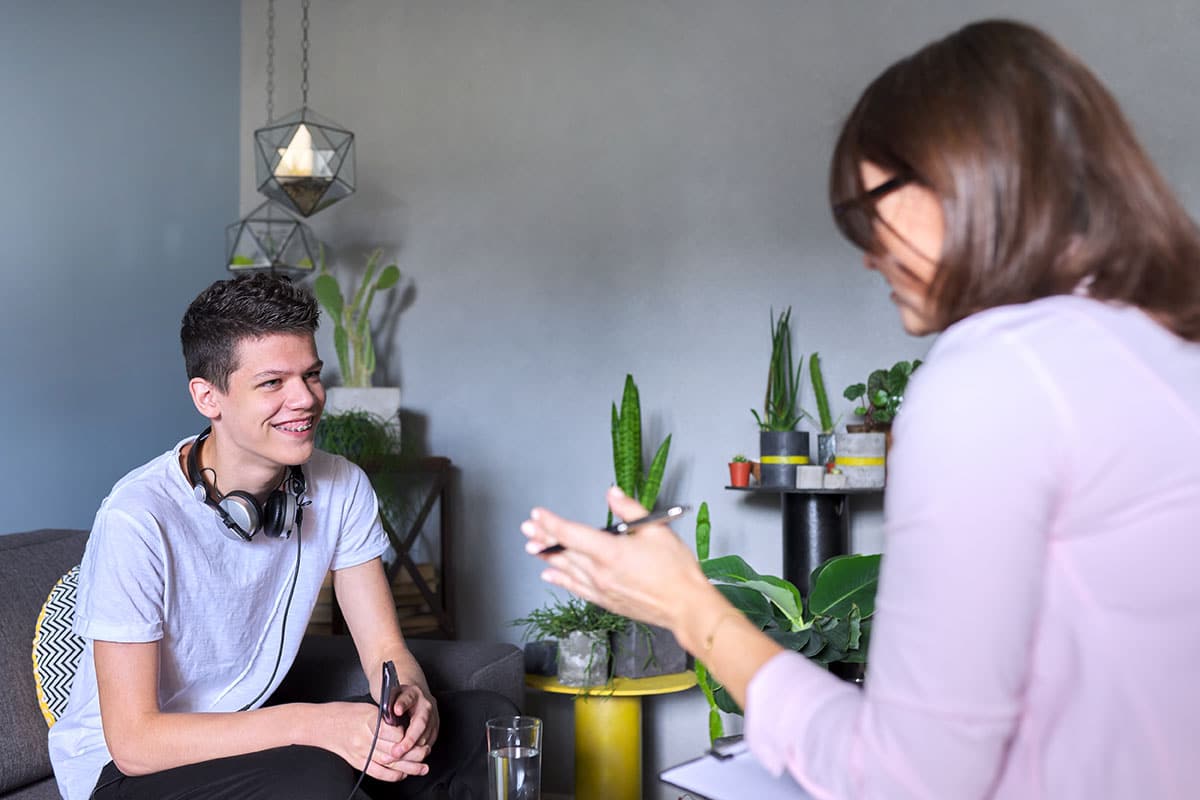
241,514
279,515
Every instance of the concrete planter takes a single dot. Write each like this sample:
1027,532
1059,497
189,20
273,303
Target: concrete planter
862,458
583,659
643,651
541,658
780,452
810,476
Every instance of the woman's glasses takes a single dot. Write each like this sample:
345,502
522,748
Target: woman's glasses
855,217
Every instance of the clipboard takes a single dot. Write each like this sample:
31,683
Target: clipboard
735,775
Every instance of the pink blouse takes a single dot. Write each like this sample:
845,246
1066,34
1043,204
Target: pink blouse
1037,631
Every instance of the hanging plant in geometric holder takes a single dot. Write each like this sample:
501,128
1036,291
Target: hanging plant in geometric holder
270,238
304,162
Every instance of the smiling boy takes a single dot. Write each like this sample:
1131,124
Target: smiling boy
198,580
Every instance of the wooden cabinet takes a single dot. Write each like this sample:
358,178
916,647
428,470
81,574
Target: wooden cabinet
414,500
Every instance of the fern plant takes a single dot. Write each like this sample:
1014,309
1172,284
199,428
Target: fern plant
628,464
352,325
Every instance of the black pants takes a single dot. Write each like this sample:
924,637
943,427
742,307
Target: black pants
457,767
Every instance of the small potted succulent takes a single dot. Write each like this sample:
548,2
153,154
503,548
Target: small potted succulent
739,471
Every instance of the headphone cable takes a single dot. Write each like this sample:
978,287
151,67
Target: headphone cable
283,627
371,752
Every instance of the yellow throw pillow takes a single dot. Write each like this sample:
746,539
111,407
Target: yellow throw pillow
56,648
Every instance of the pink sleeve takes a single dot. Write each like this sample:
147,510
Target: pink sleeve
979,452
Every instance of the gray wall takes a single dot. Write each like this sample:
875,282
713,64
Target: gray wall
119,153
576,190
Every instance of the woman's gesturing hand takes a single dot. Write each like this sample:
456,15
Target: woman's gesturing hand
647,575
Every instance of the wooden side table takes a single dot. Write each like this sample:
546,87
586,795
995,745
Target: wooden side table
608,731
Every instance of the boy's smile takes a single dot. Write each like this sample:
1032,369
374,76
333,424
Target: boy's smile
267,419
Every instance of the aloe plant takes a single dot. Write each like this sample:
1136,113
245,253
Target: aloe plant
352,324
780,412
628,464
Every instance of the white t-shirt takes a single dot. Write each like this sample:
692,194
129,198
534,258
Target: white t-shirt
159,567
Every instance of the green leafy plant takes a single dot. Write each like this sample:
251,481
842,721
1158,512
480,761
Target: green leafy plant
833,626
352,324
357,435
364,438
628,464
880,398
822,397
780,410
738,459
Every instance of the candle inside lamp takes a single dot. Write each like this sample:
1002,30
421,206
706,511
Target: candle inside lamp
297,159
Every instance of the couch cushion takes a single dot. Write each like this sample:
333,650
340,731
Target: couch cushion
56,648
30,564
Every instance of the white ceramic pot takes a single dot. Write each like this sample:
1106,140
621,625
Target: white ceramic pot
382,401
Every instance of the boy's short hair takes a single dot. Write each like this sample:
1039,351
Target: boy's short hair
246,307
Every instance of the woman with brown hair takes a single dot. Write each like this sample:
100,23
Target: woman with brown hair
1043,500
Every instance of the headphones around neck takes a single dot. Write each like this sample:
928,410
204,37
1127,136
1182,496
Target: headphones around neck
241,512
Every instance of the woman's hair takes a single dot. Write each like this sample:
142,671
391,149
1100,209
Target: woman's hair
249,306
1043,185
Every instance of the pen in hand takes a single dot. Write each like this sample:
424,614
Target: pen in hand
618,528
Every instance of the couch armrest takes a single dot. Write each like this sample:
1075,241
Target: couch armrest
327,668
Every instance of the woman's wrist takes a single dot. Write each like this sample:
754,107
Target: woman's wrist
699,613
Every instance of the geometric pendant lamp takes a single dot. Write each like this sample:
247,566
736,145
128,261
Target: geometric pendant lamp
270,238
304,162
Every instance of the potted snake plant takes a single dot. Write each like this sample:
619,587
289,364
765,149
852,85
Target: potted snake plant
781,446
640,650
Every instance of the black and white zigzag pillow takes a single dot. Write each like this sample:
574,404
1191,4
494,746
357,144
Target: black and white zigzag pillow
56,648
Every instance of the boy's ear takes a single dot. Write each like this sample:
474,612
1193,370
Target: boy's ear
206,397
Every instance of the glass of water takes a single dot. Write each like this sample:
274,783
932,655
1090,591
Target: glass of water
515,758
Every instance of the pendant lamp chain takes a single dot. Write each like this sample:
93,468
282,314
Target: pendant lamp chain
302,160
269,237
304,55
270,61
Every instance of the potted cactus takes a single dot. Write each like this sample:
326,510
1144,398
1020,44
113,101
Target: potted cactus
739,471
781,446
352,339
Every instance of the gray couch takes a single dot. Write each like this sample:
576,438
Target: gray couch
327,667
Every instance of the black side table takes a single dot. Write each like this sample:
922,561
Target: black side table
816,527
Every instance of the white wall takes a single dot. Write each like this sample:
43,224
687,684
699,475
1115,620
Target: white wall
577,189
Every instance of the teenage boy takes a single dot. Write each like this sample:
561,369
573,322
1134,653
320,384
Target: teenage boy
198,580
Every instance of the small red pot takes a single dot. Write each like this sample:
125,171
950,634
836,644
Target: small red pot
739,473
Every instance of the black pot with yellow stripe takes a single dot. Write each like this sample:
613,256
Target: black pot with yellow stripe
780,452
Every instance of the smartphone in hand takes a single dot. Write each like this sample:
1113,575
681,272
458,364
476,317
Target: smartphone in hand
389,690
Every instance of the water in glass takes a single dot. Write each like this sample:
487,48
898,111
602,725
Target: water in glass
515,773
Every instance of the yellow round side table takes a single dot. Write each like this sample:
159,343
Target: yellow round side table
608,731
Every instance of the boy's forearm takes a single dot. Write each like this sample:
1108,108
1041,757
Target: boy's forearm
161,741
